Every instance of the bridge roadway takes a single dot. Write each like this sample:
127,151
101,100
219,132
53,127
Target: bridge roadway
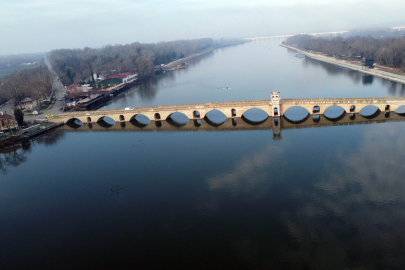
238,124
273,107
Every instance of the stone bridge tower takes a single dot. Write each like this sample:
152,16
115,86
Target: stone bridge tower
275,104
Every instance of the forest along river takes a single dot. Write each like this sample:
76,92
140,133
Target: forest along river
226,197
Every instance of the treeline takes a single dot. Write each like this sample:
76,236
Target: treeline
35,83
78,65
385,51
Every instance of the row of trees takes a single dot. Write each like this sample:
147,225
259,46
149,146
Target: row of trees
385,51
79,65
35,83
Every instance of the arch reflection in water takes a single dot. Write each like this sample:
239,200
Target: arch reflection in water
334,113
233,124
369,111
296,114
177,119
255,115
215,117
197,123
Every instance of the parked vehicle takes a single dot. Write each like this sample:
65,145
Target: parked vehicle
129,109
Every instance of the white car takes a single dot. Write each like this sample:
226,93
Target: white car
34,112
129,109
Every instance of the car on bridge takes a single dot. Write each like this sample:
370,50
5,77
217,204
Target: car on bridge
129,109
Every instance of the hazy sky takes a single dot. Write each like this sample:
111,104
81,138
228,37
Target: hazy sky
41,25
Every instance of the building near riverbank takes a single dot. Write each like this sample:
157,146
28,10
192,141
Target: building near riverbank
7,122
116,79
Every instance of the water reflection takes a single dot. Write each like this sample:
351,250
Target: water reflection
352,213
276,124
18,154
367,79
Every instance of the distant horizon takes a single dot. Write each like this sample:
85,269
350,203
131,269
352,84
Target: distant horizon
375,26
31,26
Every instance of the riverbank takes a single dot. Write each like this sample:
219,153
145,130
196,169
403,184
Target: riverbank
376,71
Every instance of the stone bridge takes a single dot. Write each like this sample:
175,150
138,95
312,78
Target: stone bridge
274,107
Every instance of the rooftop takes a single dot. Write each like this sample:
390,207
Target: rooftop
5,116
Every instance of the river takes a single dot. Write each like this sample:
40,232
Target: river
219,197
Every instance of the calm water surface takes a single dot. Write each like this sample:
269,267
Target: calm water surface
216,197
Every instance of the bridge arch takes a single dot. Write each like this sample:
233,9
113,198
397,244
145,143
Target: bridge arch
157,116
196,114
296,114
122,118
400,110
89,119
316,109
255,115
106,121
177,119
233,112
139,120
370,111
352,108
334,112
215,117
74,122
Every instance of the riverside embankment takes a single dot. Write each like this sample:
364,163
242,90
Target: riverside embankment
343,63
